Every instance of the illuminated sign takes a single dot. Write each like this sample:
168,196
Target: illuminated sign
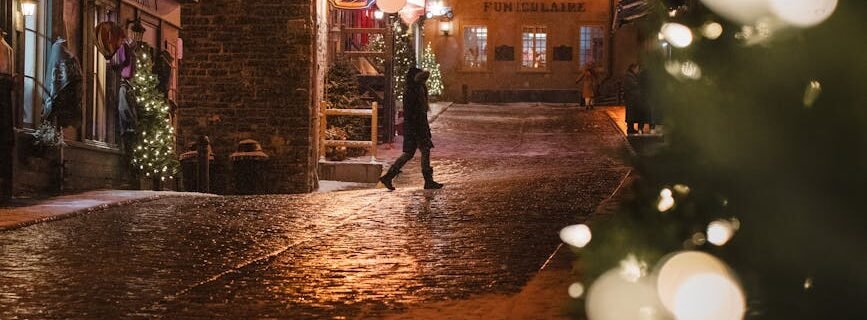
352,4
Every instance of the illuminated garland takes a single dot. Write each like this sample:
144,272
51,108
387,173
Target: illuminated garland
153,153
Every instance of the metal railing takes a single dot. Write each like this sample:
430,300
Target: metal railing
324,112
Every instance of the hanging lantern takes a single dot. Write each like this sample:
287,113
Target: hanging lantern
390,6
137,29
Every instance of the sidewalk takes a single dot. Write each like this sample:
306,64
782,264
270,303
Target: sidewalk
24,212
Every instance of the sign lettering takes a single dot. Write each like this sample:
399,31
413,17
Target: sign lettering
521,6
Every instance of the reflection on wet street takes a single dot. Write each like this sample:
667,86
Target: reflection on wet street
514,175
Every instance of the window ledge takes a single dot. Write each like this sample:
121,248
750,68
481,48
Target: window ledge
95,146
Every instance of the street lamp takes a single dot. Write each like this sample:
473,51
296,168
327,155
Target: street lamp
28,7
137,29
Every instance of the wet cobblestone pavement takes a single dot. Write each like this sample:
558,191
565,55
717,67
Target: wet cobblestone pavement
514,175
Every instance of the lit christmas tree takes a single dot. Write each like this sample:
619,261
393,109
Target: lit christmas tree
153,154
753,206
429,63
404,57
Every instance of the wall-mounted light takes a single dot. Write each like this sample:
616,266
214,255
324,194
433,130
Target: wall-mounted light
137,29
28,7
378,14
445,27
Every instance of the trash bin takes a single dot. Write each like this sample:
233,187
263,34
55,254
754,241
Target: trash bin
190,166
248,166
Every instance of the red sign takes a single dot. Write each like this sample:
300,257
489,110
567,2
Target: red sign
352,4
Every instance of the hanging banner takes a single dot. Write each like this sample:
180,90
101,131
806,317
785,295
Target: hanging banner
352,4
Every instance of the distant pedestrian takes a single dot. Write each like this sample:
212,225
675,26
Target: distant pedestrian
417,135
589,82
635,106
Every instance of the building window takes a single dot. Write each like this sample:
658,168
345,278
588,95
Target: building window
35,45
535,47
475,47
592,45
100,119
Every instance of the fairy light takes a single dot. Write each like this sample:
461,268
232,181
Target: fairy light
154,156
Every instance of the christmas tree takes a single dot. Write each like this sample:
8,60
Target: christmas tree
404,57
153,154
429,63
752,208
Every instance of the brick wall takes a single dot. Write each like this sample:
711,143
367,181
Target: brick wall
247,72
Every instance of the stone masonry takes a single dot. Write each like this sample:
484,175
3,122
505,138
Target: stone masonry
247,73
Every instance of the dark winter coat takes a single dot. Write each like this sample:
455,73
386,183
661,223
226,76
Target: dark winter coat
416,128
635,111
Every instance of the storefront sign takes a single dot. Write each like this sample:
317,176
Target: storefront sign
352,4
521,6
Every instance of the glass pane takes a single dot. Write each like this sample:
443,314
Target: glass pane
30,85
475,46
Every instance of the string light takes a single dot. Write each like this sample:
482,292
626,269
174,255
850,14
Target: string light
154,156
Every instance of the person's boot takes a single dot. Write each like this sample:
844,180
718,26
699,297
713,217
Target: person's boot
429,182
388,177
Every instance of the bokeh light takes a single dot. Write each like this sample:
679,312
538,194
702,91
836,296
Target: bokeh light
741,11
676,34
709,296
680,269
632,269
611,297
690,70
811,93
576,290
802,13
719,232
712,30
578,235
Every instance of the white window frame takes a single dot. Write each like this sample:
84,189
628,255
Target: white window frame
482,56
534,32
35,46
585,55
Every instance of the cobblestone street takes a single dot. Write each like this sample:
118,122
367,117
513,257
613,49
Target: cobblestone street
514,174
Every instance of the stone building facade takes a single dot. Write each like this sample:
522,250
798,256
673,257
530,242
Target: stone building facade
93,156
500,51
250,72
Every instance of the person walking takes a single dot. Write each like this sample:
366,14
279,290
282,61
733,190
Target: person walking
634,100
589,81
416,130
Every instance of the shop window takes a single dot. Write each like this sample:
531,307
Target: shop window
475,47
592,45
35,46
99,117
534,54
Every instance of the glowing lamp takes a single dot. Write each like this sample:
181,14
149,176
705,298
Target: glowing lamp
28,7
378,14
445,27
